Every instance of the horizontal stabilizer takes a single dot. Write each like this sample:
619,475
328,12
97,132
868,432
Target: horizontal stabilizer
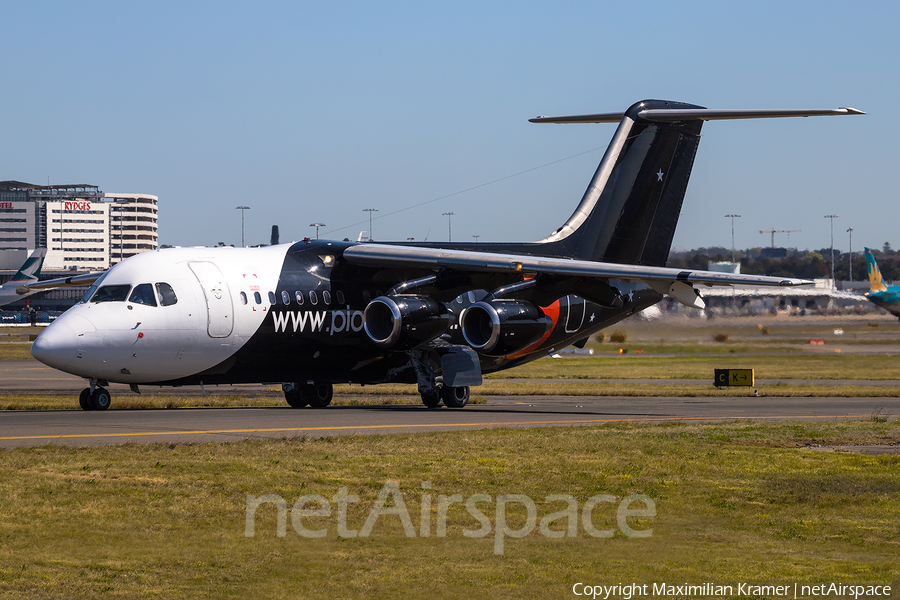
701,114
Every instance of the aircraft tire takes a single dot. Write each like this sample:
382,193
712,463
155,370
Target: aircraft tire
319,394
455,397
432,400
85,399
295,396
100,399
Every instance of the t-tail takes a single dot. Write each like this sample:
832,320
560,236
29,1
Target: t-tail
876,282
630,209
30,271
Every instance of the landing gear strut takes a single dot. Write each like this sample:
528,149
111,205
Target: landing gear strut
316,395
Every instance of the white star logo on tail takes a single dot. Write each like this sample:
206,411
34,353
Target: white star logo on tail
659,175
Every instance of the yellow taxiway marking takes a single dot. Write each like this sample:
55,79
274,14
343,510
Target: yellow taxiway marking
422,425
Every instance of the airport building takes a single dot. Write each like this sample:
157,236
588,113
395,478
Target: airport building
82,228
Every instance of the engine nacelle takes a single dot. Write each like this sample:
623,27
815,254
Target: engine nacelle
501,326
405,321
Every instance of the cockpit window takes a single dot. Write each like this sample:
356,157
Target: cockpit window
167,294
111,293
93,288
143,294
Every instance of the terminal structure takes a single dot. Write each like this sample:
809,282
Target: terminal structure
81,227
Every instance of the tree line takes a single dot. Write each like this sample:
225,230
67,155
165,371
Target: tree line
804,264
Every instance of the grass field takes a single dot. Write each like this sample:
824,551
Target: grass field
734,503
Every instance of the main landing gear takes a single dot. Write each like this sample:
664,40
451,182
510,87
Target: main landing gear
451,397
316,395
94,398
432,388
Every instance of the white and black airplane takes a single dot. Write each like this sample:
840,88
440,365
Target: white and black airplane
314,313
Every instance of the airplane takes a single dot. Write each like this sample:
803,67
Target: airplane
881,295
30,272
314,313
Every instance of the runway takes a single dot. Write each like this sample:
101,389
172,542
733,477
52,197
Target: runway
78,428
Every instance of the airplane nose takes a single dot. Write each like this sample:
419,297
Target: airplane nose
57,345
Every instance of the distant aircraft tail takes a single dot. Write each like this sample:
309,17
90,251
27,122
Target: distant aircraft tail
30,271
629,211
876,283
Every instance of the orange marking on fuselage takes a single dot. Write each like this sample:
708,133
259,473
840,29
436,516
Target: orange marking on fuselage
551,311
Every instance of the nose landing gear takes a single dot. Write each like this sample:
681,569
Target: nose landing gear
95,397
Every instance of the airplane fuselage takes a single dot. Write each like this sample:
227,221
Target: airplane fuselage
889,299
293,312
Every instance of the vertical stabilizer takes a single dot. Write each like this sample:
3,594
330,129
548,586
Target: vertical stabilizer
629,211
31,269
876,283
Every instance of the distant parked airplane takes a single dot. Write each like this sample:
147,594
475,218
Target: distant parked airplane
883,296
16,288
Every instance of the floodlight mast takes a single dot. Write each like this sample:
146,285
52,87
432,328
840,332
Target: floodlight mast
832,217
242,209
449,216
733,217
370,211
850,231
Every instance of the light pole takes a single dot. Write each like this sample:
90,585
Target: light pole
370,211
317,225
476,238
449,216
850,231
732,217
242,209
832,217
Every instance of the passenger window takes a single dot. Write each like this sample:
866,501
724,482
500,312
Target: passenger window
313,299
271,297
340,297
299,297
167,294
285,298
326,296
257,297
243,298
143,294
111,293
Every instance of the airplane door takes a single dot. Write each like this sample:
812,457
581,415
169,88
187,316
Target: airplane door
219,310
574,313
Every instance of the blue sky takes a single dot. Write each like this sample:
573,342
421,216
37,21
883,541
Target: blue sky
314,111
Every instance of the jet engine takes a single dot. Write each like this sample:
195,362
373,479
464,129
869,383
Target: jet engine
402,321
500,327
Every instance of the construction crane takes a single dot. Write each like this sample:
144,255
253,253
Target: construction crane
773,231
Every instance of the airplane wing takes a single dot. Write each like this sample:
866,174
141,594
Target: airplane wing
73,281
677,283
